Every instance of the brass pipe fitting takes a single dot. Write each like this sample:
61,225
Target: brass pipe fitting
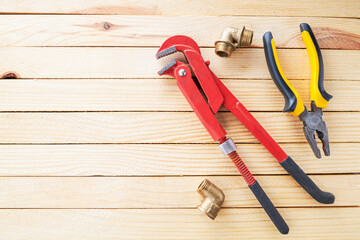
213,198
232,38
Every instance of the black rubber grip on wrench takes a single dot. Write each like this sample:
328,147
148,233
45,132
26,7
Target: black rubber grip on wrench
269,208
298,174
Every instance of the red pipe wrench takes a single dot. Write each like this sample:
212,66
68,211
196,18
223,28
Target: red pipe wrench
199,81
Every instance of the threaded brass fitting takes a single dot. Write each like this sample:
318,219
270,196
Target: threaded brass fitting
213,198
232,38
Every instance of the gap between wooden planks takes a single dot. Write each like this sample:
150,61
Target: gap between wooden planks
334,8
155,95
124,223
110,224
111,62
158,127
165,159
85,30
170,192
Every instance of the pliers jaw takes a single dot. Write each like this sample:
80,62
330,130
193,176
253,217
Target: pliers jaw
314,124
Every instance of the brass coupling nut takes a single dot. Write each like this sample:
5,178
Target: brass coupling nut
232,38
213,198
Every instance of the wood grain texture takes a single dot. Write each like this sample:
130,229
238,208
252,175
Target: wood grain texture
105,62
85,30
158,127
155,95
160,192
165,159
337,8
95,145
111,224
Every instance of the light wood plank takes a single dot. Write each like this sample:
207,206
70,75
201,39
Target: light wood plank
343,8
81,30
155,95
165,192
309,220
111,224
165,159
158,127
98,62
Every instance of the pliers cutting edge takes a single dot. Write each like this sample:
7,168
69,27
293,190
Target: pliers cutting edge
313,122
199,81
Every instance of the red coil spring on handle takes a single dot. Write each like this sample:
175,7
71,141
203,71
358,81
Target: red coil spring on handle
249,178
234,156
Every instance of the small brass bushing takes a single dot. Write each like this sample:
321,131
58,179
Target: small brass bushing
213,198
224,49
232,38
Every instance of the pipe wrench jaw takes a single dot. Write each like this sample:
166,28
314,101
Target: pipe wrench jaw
169,68
196,83
175,44
172,45
197,66
176,69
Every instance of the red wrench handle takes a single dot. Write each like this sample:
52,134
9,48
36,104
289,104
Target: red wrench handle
244,116
247,119
286,161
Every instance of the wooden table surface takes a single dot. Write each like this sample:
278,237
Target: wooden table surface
95,145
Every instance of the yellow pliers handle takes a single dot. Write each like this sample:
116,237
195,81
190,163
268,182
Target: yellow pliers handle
293,102
317,90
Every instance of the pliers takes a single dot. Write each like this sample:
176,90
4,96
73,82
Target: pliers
206,94
312,121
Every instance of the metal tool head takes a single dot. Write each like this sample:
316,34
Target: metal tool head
315,125
196,65
177,43
170,69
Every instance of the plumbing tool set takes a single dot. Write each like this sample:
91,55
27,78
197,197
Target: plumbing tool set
206,94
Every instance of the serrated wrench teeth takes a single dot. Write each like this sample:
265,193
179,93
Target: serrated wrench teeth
167,67
166,52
